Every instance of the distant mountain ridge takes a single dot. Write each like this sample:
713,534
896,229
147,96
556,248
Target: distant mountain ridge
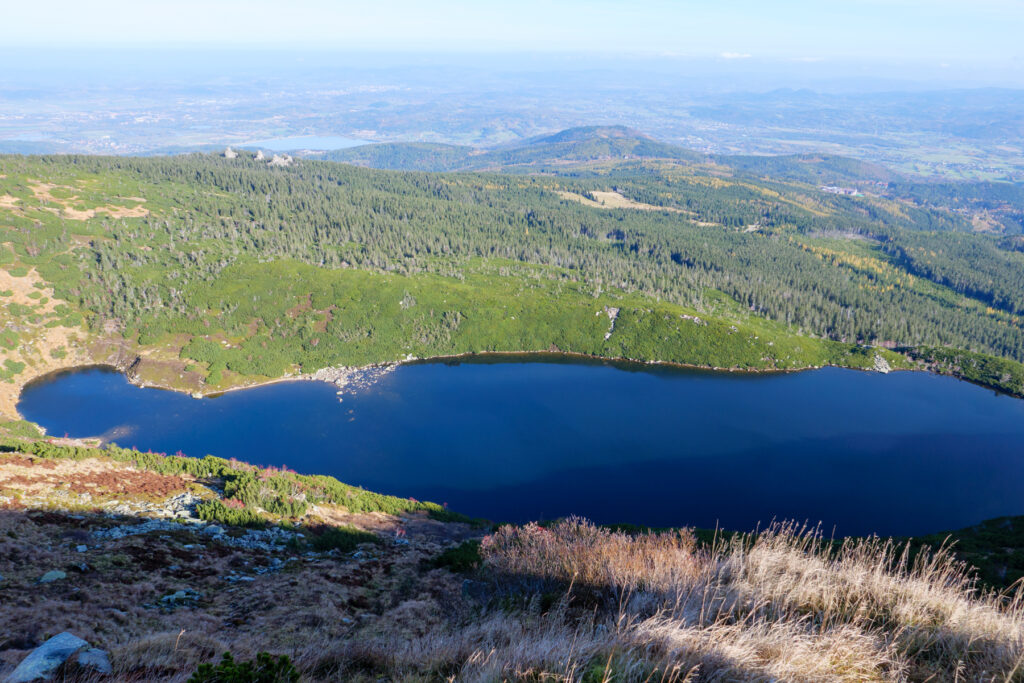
588,145
574,145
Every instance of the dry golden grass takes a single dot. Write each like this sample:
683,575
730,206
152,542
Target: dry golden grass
606,199
782,606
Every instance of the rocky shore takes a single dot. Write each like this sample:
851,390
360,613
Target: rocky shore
351,379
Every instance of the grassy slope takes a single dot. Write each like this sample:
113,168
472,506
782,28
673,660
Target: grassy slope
355,318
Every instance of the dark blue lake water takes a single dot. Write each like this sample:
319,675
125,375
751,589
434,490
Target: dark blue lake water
519,440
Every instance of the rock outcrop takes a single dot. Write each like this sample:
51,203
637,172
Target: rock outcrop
881,365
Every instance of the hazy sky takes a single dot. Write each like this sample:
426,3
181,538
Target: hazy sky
938,32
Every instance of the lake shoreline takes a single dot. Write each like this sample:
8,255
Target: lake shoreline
346,376
523,438
343,376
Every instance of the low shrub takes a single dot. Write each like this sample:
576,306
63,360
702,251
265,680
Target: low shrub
266,668
461,559
218,512
343,538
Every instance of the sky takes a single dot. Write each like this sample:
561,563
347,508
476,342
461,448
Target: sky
942,33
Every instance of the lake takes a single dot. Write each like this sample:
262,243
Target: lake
314,142
523,438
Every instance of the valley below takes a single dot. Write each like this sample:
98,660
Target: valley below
707,357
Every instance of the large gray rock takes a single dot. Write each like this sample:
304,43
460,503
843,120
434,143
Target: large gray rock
43,662
95,659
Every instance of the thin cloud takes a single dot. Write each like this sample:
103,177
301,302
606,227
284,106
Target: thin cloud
735,55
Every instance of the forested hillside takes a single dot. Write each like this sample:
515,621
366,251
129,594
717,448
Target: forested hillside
223,269
996,207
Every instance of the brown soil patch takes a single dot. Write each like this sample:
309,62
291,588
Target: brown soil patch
8,202
95,476
305,304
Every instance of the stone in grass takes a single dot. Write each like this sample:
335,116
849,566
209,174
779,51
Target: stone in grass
51,576
43,662
182,598
95,659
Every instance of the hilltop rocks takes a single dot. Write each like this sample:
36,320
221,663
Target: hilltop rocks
230,153
43,662
281,160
